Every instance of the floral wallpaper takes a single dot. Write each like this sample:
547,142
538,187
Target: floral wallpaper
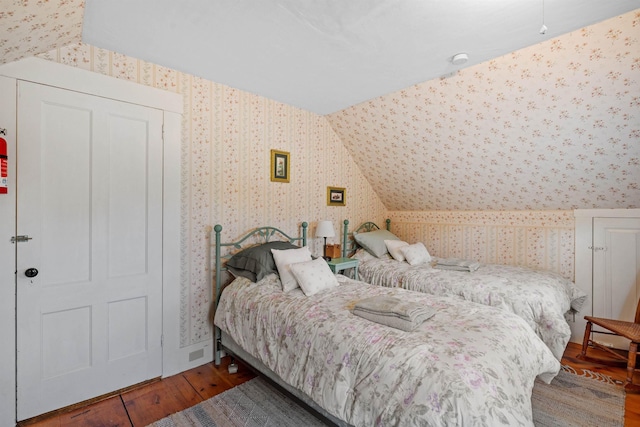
537,239
552,126
30,27
227,135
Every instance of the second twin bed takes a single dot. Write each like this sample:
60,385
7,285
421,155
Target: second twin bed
542,298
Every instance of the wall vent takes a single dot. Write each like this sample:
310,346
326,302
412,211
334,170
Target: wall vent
196,355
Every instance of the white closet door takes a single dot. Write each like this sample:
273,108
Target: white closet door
616,271
90,200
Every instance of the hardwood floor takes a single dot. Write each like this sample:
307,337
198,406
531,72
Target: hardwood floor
149,403
142,406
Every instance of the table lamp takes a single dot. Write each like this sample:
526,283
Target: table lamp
325,229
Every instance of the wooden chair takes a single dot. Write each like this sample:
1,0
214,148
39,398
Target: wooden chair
629,330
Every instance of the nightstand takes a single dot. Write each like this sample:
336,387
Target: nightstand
338,264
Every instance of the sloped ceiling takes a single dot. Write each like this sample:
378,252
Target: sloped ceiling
31,27
552,126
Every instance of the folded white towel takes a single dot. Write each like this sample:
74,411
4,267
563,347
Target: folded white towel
390,311
456,264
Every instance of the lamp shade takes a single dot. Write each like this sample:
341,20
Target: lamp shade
325,229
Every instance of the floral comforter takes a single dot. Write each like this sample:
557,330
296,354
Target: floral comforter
540,297
469,364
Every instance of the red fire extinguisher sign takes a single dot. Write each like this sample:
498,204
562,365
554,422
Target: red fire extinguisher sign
4,168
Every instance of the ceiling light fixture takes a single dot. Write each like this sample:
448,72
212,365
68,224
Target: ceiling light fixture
459,58
543,29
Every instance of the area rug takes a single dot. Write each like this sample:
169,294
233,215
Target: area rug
585,399
570,400
254,403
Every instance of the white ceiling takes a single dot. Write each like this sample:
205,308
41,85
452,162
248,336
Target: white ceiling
326,55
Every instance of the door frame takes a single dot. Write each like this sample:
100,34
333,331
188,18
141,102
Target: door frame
584,259
65,77
8,260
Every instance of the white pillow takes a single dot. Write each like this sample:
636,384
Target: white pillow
393,246
283,259
314,276
416,253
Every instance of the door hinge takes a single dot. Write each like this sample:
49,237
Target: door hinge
18,239
162,340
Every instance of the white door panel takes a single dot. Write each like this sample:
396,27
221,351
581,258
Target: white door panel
90,197
616,271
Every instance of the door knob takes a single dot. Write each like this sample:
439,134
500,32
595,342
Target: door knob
31,272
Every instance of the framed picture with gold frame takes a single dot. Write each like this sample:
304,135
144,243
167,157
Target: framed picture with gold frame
280,166
336,196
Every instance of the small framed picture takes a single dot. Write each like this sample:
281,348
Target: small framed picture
280,166
336,196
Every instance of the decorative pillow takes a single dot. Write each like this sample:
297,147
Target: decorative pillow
416,253
393,246
314,276
284,259
373,241
255,262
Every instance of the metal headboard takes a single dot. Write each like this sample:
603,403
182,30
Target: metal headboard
259,235
349,245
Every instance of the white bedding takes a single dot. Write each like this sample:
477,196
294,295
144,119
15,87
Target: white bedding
469,364
539,297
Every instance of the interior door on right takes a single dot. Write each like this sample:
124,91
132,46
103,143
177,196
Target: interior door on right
616,272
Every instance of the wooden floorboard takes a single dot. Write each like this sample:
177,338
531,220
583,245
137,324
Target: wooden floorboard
160,399
142,406
109,412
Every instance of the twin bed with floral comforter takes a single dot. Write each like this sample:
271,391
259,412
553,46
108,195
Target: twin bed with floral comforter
542,298
468,364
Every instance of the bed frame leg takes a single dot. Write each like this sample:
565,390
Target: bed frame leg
217,347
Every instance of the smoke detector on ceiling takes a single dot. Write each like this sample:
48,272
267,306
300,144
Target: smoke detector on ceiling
459,58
